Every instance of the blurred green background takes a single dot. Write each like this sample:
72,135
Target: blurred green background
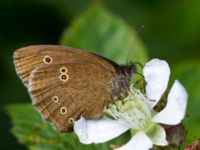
171,32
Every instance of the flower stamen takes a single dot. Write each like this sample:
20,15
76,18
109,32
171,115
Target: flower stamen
134,110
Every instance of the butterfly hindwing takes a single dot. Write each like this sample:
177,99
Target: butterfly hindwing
81,92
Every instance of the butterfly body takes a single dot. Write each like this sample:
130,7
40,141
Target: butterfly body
67,83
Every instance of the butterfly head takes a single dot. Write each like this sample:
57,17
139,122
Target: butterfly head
128,70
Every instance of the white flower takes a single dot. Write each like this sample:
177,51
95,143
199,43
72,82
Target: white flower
136,113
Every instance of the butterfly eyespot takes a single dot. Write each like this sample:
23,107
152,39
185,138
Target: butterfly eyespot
63,110
64,77
47,59
63,70
55,99
71,120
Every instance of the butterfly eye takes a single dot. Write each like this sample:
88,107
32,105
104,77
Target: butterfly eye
64,77
71,120
63,70
63,110
47,59
55,99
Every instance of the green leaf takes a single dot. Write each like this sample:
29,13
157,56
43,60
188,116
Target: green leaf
100,32
31,130
189,75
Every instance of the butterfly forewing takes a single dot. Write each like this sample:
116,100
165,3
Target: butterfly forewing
29,58
66,83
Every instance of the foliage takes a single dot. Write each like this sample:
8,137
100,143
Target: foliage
32,130
100,32
105,34
189,73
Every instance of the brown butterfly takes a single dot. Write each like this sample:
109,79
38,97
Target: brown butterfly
67,83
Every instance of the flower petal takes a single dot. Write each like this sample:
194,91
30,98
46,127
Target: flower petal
138,142
157,134
98,131
156,73
175,109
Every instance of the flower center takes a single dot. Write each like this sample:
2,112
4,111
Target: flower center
134,111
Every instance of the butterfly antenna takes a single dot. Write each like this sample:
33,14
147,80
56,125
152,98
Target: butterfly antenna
138,63
139,30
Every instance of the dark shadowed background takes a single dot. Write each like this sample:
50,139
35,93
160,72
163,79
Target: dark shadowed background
171,32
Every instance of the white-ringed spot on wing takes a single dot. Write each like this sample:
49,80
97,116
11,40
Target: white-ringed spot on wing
55,99
47,59
63,70
64,77
63,110
71,120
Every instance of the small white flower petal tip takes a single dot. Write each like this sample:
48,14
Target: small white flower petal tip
98,131
138,142
175,110
156,73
